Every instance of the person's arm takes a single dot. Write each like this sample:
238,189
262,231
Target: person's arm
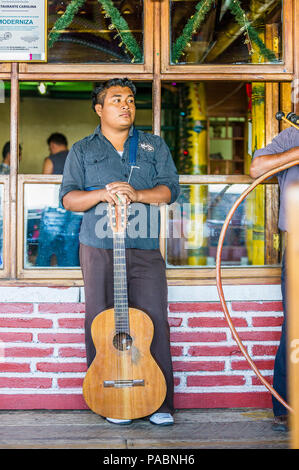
264,163
81,201
47,167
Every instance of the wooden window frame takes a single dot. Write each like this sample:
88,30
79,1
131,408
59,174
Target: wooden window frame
95,71
250,72
4,181
207,275
155,70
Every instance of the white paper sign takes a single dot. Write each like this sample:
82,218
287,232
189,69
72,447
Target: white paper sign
23,30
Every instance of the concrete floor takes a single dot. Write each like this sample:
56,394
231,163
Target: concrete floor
193,429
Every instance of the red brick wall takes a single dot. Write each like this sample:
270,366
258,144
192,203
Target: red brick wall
42,360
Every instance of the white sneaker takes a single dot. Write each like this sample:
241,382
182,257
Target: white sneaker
162,419
119,421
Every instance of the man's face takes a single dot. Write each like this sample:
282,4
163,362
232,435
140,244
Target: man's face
118,110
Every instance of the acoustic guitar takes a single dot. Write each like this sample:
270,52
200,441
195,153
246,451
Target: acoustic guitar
123,381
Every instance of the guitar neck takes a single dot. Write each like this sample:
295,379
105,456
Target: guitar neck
121,311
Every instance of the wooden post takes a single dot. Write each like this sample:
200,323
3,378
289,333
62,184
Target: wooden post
293,309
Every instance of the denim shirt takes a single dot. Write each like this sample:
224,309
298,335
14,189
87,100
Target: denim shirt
285,140
93,162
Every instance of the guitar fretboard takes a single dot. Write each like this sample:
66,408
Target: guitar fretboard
121,312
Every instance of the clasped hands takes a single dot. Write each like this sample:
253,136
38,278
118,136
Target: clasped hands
121,192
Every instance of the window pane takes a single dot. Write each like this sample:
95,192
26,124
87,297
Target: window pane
90,33
64,108
206,126
1,226
226,32
51,234
196,219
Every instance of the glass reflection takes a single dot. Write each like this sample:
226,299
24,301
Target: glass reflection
92,31
51,233
226,31
196,219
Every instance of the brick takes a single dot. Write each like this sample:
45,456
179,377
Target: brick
175,321
260,364
257,381
261,350
72,352
180,366
195,307
63,307
61,338
70,383
61,367
214,380
15,337
20,382
176,350
257,306
267,321
44,401
259,335
208,322
25,323
214,351
223,400
184,337
14,367
28,352
71,322
16,307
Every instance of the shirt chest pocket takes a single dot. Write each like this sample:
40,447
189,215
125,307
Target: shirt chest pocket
101,170
146,164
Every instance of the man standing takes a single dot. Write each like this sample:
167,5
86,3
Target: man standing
283,149
96,172
58,147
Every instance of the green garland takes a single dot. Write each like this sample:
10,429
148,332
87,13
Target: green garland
241,18
193,24
64,21
117,22
197,19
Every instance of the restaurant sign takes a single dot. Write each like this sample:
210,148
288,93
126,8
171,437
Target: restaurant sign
23,30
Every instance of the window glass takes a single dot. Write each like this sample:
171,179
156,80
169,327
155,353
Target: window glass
1,226
64,108
196,219
51,234
226,32
205,124
92,31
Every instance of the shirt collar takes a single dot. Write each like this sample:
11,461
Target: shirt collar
98,132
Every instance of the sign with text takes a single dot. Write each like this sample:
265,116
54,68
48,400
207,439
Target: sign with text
23,30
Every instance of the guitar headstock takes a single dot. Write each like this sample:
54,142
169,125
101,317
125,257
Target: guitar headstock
118,215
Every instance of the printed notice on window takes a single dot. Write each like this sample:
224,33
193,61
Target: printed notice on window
23,30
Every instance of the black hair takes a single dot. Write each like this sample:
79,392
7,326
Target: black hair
6,149
57,138
99,93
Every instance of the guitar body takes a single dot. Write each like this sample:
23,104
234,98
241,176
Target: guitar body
123,381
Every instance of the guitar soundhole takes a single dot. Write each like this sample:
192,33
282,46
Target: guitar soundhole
122,341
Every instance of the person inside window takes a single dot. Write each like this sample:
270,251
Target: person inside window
5,165
58,147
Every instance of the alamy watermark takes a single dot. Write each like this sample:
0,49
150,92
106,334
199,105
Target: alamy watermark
186,221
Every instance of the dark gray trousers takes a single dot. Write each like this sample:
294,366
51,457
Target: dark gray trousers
147,291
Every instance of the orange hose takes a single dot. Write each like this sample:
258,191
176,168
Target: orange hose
219,283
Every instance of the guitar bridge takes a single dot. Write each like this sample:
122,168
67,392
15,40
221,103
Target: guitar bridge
123,383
